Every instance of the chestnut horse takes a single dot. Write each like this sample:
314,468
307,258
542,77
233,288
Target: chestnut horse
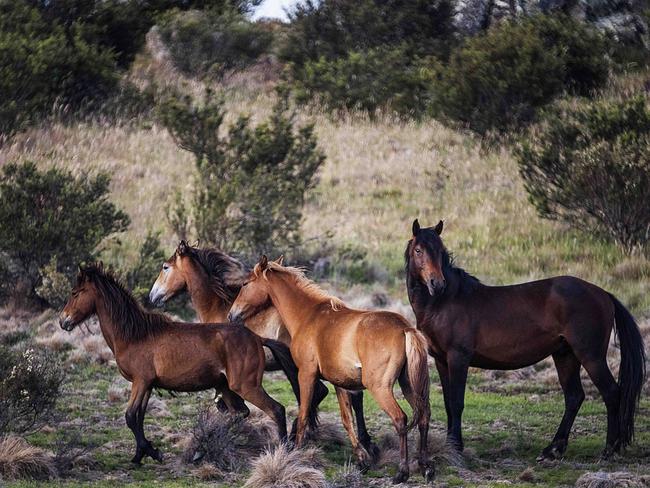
151,351
352,349
510,327
213,280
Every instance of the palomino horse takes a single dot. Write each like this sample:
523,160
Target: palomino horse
213,280
509,327
352,349
151,351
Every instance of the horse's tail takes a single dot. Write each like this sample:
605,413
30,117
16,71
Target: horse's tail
417,371
282,356
632,371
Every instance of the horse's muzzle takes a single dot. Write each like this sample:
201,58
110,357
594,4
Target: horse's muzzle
436,287
66,323
234,317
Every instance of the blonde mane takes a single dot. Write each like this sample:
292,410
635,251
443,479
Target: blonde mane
304,283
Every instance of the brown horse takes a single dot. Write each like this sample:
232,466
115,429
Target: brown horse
352,349
151,351
509,327
213,280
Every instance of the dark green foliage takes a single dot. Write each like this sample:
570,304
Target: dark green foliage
497,80
589,165
380,78
50,213
366,54
30,382
207,42
150,258
43,62
251,181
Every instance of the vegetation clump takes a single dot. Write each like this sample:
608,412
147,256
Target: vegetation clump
588,164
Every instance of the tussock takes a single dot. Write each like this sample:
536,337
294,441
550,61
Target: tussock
227,441
19,459
618,479
348,476
440,451
284,468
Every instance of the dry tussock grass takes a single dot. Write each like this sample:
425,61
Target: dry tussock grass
19,459
440,451
618,479
284,468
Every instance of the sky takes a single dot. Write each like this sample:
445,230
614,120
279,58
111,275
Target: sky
273,9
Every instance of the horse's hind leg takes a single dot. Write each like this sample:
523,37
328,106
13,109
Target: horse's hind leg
426,467
602,377
356,398
234,403
386,400
345,403
261,399
568,371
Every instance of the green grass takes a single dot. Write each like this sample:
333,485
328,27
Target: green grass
505,428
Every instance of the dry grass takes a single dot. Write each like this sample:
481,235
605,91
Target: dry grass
284,468
618,479
19,459
348,476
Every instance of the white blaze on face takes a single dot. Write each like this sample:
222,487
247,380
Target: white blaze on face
156,293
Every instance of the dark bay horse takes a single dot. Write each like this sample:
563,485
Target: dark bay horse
213,279
352,349
509,327
151,351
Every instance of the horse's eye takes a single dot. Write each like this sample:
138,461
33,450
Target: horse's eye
245,283
418,250
165,267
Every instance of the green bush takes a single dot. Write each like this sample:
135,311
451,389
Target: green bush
252,180
589,165
140,277
50,213
498,79
367,54
380,78
206,42
30,382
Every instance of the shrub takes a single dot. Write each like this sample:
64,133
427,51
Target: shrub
45,62
589,165
498,79
206,42
141,276
367,54
367,80
297,468
50,213
251,182
29,387
55,286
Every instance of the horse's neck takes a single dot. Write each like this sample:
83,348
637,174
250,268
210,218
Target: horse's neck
291,302
109,329
210,306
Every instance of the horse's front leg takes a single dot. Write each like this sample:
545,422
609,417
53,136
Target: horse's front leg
458,364
134,416
356,398
345,403
443,372
307,378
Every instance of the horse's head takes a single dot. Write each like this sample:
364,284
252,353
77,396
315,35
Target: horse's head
424,255
82,301
254,295
172,278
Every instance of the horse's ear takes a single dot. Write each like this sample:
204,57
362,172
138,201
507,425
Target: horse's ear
416,228
100,265
280,260
438,228
182,248
264,262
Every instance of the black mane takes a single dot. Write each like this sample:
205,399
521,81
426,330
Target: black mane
132,321
431,241
226,273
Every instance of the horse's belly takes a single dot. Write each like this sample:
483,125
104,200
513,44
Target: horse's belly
345,374
515,357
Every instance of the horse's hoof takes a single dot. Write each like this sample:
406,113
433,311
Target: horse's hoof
551,453
137,460
607,453
400,477
198,455
156,455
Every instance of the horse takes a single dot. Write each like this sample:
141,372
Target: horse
468,324
213,280
352,349
152,351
